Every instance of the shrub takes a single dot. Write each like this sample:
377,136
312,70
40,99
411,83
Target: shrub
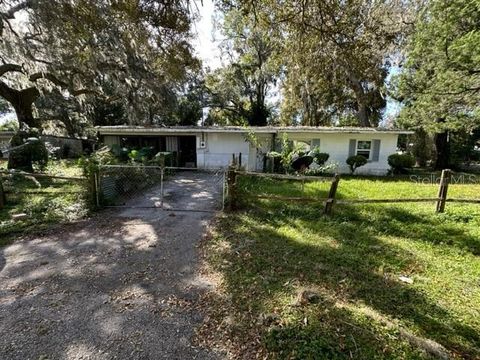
319,157
120,153
356,161
329,168
167,156
91,164
142,155
400,163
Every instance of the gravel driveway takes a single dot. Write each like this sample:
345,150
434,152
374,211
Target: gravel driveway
122,285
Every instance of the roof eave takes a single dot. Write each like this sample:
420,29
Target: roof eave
140,130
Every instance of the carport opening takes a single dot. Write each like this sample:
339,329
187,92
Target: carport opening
187,151
183,148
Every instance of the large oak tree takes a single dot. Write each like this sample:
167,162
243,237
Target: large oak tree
72,48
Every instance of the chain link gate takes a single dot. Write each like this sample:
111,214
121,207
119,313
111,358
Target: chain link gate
166,188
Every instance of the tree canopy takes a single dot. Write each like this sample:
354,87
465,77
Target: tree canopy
441,77
239,91
440,82
132,54
335,55
84,62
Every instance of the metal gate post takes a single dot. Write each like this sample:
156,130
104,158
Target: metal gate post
96,179
223,189
162,170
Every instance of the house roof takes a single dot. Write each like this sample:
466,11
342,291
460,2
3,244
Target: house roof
151,130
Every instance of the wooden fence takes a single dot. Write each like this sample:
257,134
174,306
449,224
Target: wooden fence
330,201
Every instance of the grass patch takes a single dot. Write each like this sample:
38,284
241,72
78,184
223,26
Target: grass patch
271,251
45,201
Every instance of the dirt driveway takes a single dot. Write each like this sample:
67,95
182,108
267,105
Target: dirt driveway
121,285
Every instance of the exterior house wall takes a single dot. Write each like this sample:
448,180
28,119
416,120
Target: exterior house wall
258,151
337,146
74,146
214,149
219,148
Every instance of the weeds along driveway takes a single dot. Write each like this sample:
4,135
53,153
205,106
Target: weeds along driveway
120,285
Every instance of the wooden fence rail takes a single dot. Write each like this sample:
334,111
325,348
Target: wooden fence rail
26,174
285,176
331,200
3,192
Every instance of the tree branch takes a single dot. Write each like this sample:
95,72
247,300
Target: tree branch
56,81
8,93
9,68
48,76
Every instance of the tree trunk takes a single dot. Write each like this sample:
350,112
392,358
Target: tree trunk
362,109
420,148
442,145
362,113
22,102
24,112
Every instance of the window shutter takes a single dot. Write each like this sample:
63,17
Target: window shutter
352,146
315,143
376,150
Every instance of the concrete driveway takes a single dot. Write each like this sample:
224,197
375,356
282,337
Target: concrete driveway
122,285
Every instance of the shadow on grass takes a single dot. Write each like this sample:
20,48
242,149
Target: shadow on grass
345,259
382,218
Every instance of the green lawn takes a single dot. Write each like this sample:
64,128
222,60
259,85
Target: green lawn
270,251
45,201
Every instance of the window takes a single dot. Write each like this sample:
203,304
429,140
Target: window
364,148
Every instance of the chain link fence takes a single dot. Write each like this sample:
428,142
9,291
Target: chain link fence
167,188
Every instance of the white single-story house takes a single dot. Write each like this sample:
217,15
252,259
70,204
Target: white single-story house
212,147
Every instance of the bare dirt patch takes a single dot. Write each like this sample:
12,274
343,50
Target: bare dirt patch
122,285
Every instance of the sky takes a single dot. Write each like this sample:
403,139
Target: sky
206,48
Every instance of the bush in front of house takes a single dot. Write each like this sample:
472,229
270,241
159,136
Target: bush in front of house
143,155
356,161
319,157
121,153
400,163
323,170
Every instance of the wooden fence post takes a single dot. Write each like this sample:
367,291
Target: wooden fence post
2,194
232,184
443,190
331,195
